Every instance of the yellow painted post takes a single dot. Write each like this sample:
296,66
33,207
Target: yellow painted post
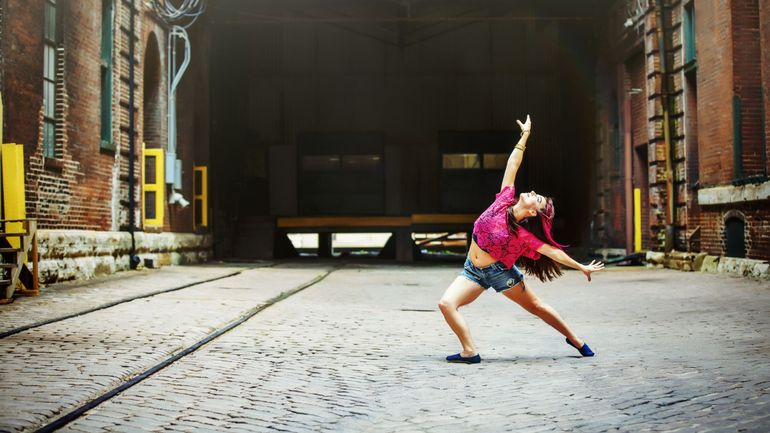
14,204
200,196
1,118
637,219
1,142
153,187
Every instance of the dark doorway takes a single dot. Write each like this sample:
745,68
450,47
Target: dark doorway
735,237
341,174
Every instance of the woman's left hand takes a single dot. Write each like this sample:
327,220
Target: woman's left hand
526,126
594,266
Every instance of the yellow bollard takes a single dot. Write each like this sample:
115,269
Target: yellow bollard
1,118
637,219
14,204
1,142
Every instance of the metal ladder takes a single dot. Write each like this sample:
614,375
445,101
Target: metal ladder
15,274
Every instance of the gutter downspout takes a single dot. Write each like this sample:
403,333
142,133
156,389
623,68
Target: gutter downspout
133,258
627,167
669,239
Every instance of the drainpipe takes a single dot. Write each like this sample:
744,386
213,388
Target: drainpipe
669,243
627,153
133,258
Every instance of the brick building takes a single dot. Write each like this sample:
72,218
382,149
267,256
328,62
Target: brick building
391,109
66,84
682,95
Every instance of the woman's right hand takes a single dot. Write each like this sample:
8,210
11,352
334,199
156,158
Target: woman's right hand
594,266
526,126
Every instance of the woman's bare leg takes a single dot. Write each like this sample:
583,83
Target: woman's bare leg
525,297
461,292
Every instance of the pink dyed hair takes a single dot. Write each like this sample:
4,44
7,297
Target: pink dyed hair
546,218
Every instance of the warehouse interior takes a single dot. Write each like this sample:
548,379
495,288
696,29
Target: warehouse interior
389,108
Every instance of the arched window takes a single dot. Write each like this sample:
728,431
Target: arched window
735,237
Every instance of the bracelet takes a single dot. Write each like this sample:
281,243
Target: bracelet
523,131
521,147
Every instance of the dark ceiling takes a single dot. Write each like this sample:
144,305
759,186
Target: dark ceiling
402,22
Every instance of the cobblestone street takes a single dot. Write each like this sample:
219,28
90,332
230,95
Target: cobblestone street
363,350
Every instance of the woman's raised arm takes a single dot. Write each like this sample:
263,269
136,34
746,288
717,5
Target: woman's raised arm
514,161
562,257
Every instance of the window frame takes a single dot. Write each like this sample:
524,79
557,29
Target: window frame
50,58
688,36
106,139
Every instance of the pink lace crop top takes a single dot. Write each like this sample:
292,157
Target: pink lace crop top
493,235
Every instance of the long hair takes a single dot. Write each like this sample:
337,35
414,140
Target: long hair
544,268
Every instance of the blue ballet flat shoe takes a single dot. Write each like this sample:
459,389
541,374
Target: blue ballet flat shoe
464,359
585,350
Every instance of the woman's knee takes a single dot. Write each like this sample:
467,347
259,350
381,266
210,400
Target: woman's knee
446,305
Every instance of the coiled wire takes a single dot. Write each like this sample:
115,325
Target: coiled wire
183,15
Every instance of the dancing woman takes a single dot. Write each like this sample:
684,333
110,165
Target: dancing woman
511,230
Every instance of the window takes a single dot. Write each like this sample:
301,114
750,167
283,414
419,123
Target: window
320,162
337,162
106,76
688,24
460,161
495,161
360,162
472,161
50,33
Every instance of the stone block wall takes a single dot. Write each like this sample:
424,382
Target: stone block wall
83,254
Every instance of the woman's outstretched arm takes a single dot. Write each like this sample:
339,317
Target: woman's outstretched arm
562,257
514,161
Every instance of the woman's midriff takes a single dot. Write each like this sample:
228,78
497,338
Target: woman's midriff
479,257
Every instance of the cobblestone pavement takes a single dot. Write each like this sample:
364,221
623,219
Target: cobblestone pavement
363,351
72,297
49,370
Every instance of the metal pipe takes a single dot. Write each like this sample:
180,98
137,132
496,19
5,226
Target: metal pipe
174,77
133,259
627,167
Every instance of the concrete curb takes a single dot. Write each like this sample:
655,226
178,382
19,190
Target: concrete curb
702,262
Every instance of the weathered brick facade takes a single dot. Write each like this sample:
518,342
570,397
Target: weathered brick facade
713,112
85,186
690,135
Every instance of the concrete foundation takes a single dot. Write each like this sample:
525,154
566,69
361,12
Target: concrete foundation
84,254
702,262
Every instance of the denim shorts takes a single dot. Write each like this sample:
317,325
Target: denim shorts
496,275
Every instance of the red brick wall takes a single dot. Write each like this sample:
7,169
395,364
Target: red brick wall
86,187
2,45
757,218
715,91
640,138
747,82
764,37
22,47
731,50
90,195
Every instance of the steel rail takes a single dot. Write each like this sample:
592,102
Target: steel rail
82,409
